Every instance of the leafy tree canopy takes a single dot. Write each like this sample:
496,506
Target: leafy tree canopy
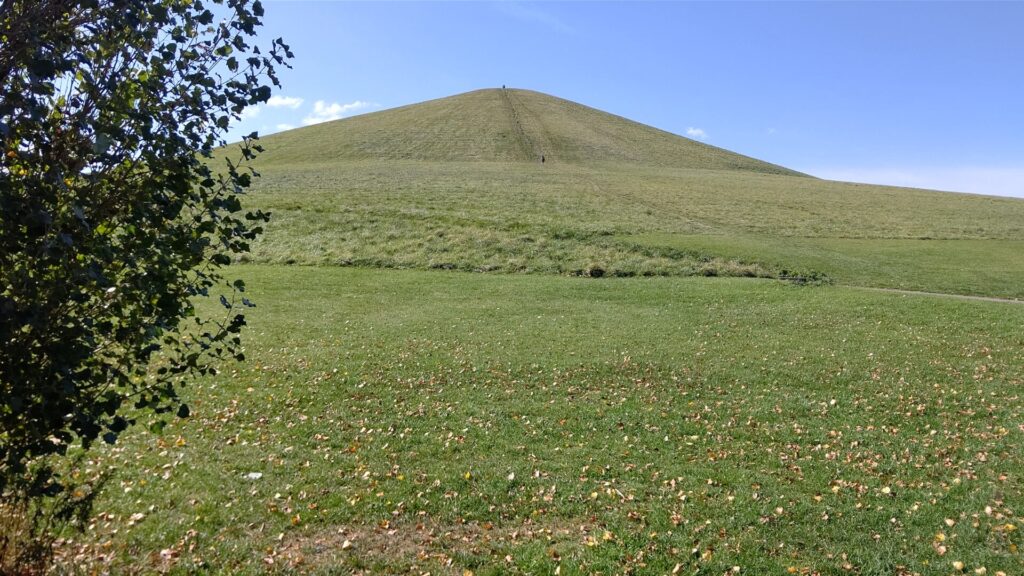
113,219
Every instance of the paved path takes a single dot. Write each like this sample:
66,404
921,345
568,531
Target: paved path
942,295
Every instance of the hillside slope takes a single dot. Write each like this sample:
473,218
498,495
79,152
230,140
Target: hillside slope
456,184
499,125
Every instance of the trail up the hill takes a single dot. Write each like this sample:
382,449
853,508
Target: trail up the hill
527,128
528,148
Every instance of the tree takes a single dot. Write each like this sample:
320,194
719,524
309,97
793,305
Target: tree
113,219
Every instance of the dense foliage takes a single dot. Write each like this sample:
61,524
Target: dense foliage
113,215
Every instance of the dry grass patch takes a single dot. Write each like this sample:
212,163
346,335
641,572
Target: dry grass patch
427,545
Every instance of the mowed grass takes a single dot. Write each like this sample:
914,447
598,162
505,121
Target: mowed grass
962,266
456,184
496,125
392,417
637,221
411,422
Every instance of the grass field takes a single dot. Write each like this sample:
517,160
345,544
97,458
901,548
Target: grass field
401,412
453,184
502,126
961,266
517,424
641,221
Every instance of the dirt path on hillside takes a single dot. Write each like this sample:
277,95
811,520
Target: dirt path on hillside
529,148
941,295
532,128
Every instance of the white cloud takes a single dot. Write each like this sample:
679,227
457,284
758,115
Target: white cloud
250,112
283,127
324,112
696,133
996,181
284,102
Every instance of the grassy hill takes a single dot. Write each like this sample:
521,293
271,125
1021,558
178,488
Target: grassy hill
456,183
500,125
452,422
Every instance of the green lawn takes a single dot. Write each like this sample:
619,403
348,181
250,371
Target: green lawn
962,266
642,221
444,421
454,184
399,413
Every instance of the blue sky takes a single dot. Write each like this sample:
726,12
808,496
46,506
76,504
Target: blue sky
917,94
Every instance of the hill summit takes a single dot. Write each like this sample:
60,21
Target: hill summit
502,125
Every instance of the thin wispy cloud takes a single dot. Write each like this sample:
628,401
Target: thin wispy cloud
531,14
324,112
696,133
284,102
996,181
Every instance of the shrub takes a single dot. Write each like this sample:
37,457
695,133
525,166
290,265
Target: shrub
113,219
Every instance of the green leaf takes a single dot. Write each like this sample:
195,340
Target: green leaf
108,186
